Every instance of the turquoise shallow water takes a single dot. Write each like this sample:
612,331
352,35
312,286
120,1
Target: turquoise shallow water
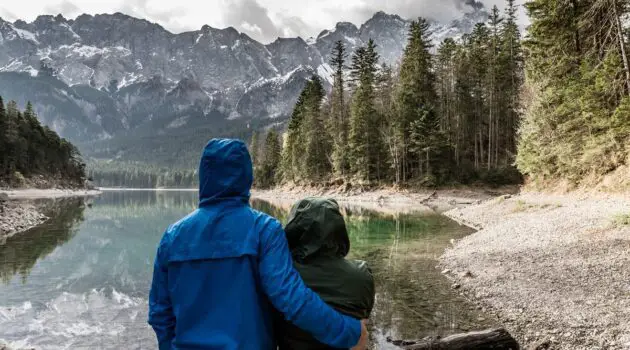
81,281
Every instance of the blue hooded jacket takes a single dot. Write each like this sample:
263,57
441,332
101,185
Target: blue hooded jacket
219,271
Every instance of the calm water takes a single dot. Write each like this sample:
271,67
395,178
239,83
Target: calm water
82,280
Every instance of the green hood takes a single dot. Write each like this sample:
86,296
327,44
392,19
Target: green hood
319,242
317,228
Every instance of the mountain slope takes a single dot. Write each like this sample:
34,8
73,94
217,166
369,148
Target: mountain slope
106,76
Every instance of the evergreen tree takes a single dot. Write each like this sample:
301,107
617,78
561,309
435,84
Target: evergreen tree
267,172
4,151
418,123
466,139
512,78
317,163
479,58
293,152
495,103
254,148
12,138
577,124
383,103
29,149
339,120
446,76
366,147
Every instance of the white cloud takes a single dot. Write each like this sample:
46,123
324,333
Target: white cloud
65,7
7,15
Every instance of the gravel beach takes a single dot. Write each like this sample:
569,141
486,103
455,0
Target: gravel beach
17,216
19,212
554,269
387,200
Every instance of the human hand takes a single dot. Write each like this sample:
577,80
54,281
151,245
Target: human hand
363,341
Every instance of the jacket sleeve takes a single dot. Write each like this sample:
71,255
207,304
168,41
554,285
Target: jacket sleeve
301,306
161,316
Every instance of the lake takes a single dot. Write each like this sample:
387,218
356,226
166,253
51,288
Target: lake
81,281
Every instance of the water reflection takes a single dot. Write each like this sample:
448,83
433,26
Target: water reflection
82,280
21,252
413,299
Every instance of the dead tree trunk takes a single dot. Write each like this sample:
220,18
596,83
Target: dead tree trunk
622,45
498,339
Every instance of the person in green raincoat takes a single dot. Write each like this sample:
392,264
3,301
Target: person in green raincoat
319,242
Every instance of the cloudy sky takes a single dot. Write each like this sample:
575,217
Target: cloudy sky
262,19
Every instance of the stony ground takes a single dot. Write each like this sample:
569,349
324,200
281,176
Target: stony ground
387,199
555,269
17,216
18,213
34,193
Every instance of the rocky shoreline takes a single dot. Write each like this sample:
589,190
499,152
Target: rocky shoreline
387,199
554,269
18,216
19,212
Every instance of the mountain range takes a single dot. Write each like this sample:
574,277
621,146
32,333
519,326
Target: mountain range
119,85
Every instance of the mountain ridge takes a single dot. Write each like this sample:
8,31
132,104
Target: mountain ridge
116,72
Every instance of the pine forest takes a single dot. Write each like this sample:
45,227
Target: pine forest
31,152
448,114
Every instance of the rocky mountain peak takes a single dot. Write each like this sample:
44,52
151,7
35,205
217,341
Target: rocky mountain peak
20,24
347,28
138,69
44,19
384,16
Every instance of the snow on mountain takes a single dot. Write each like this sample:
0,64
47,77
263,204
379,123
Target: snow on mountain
146,74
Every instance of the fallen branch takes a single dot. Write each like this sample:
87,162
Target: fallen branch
498,339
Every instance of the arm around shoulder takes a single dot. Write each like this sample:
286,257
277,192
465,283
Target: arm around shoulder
301,306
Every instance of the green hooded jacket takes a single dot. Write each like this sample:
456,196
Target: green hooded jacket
318,239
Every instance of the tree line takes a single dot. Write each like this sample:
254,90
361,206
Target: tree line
108,173
577,124
29,149
447,114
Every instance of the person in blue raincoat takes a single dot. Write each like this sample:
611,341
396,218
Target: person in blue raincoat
219,272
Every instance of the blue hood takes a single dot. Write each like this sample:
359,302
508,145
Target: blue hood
225,172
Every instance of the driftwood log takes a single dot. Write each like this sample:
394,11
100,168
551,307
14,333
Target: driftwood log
480,340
